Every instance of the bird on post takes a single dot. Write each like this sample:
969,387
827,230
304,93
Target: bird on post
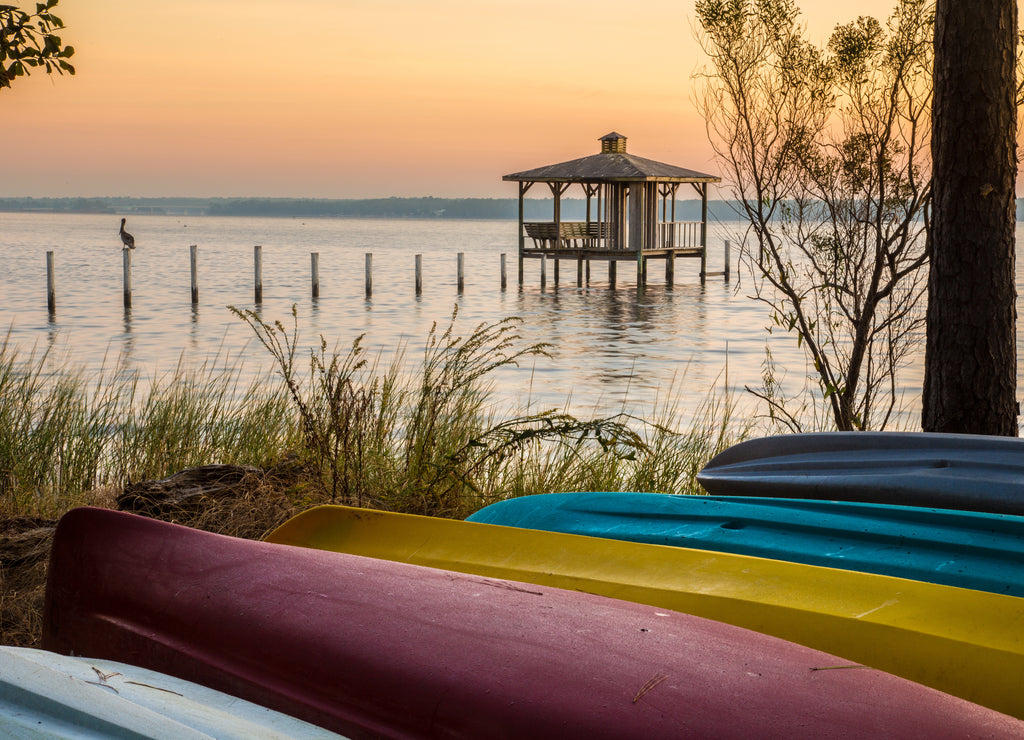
126,238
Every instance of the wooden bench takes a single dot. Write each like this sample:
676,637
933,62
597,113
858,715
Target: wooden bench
567,234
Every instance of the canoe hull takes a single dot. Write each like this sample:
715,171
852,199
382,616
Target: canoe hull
968,643
373,648
973,550
946,471
43,694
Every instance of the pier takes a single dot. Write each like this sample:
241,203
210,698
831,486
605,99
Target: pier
630,216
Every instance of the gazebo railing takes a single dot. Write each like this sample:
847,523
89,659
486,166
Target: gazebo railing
678,235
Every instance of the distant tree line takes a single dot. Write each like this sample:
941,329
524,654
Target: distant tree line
573,209
489,208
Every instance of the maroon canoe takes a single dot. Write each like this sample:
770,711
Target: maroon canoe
371,648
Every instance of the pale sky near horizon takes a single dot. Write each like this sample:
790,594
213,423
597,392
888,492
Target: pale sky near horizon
355,98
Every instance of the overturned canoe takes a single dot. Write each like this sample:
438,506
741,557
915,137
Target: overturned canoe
374,648
46,695
966,549
967,643
943,471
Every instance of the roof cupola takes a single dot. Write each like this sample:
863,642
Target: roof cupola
613,143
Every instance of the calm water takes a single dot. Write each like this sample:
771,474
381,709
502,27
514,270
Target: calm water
611,346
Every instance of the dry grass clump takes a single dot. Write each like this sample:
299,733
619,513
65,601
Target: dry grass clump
24,552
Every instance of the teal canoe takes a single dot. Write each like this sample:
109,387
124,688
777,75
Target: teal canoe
975,550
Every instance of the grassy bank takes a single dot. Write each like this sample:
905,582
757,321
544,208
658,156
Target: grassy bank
323,427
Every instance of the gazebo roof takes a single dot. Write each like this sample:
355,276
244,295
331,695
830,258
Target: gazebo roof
613,164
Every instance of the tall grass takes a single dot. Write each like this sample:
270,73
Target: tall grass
64,437
425,440
431,442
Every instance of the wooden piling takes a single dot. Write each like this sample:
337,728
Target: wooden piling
369,274
419,274
556,270
703,233
670,269
51,286
257,259
579,272
314,273
126,276
504,274
460,260
727,268
611,273
543,270
193,263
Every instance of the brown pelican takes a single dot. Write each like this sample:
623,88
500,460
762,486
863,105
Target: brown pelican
128,239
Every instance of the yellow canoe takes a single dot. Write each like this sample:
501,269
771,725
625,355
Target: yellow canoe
963,642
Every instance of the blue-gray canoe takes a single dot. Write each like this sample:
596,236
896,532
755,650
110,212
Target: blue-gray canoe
975,550
946,471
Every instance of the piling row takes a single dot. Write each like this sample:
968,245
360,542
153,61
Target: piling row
582,272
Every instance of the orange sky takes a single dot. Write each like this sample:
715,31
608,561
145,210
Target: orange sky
354,98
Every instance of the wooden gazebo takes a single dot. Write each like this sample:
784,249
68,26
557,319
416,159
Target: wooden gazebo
630,212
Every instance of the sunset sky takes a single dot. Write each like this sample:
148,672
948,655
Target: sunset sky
355,98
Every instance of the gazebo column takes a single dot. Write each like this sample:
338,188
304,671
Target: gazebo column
635,200
703,232
557,188
668,235
523,187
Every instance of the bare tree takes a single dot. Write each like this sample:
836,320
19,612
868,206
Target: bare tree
826,150
971,359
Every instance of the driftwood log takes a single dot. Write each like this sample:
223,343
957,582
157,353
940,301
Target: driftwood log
189,489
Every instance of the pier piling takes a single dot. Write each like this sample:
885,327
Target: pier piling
126,276
257,254
193,261
314,273
51,288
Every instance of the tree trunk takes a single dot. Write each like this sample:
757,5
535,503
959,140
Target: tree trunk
970,358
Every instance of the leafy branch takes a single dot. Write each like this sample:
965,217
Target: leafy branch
30,40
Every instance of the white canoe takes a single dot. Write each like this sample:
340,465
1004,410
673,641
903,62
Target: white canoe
46,695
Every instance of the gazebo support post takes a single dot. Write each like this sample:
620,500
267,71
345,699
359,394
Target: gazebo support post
703,232
523,187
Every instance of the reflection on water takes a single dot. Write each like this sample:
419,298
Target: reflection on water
609,344
127,338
